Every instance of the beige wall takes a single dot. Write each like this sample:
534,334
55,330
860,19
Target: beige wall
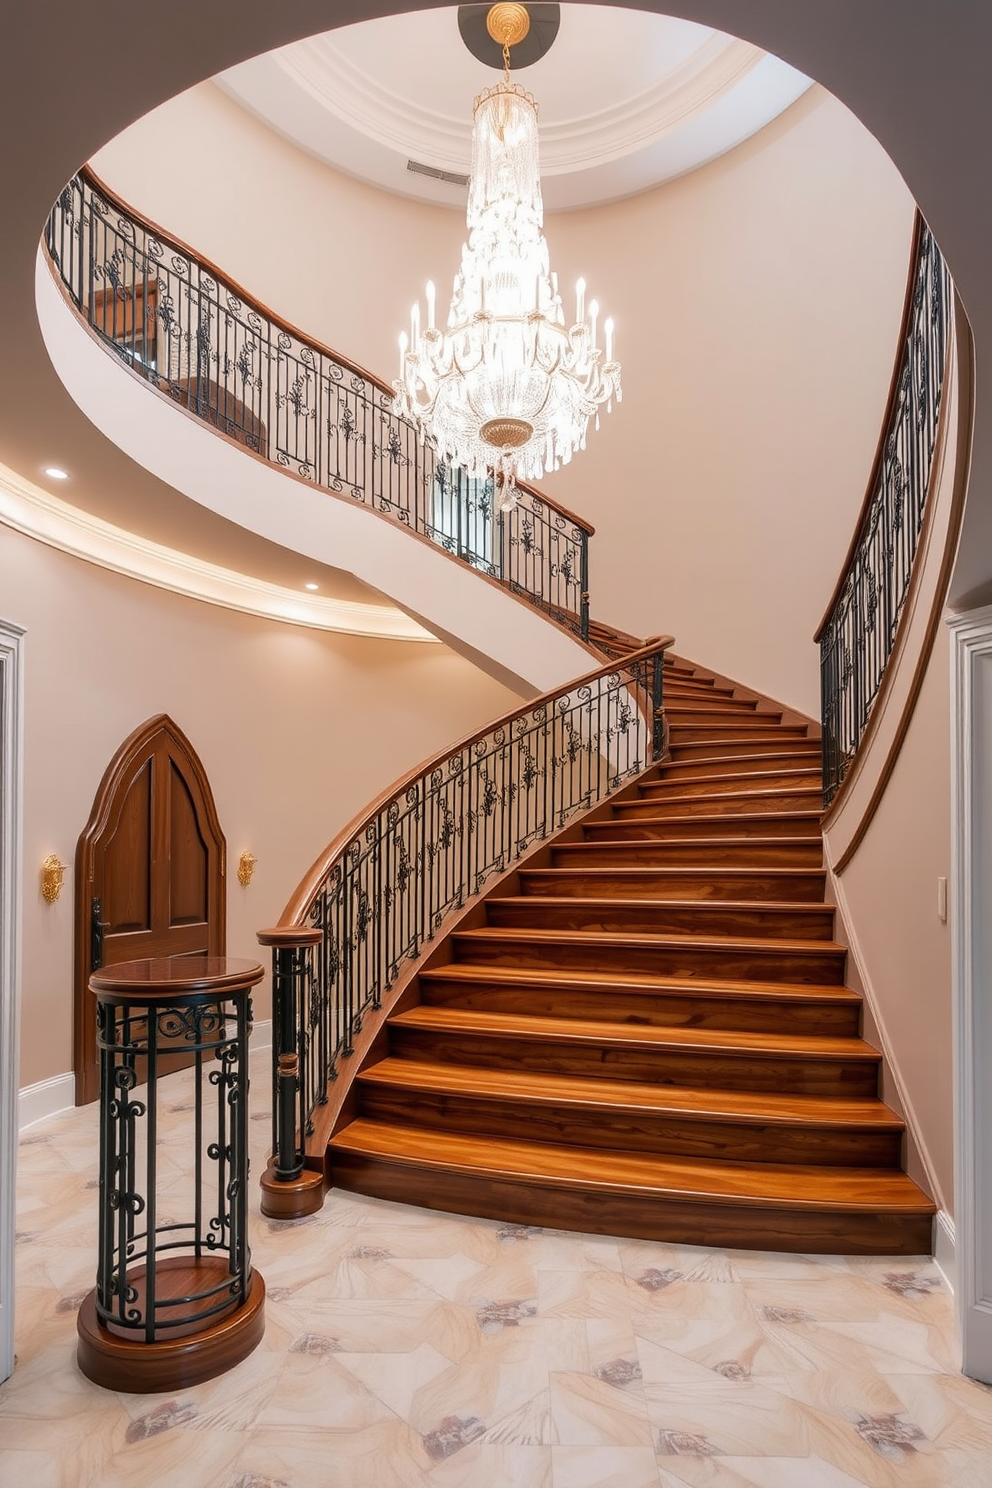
902,949
298,730
757,302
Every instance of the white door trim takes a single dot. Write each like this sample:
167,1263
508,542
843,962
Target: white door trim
11,754
971,826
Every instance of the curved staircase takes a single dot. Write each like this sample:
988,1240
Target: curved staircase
645,1031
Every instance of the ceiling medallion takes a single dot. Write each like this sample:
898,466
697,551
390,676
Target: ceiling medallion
507,386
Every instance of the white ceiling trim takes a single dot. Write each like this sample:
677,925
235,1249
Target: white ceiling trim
359,100
327,95
34,512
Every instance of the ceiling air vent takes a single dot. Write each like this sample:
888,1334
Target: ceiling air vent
451,177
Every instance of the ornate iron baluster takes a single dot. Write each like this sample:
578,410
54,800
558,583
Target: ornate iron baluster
857,636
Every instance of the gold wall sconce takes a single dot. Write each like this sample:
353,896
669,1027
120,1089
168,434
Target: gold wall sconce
52,874
246,867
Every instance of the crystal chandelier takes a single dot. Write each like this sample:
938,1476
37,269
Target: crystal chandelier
508,386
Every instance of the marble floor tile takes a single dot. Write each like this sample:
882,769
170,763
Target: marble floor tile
407,1349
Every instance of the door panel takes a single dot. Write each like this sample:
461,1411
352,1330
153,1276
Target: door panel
188,857
126,897
152,857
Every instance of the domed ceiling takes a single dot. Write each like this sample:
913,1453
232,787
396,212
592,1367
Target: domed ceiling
627,100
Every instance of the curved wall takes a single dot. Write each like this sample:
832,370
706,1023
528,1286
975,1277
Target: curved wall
757,304
298,729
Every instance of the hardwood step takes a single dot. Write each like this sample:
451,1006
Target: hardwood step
760,920
742,765
713,749
717,782
638,882
678,803
735,958
793,823
634,847
737,727
720,709
742,1126
663,1055
800,1208
606,997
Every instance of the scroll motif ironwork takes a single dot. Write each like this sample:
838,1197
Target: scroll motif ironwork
177,323
439,840
858,635
136,1046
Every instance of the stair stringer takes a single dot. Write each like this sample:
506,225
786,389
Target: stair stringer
529,649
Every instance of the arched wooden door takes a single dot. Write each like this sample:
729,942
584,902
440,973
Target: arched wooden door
149,872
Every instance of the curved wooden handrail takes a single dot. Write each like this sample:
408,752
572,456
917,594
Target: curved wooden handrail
303,895
890,406
172,241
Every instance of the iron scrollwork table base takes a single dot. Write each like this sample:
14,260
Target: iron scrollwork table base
176,1300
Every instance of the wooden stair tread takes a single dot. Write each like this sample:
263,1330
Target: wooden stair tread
524,935
605,981
626,842
534,903
598,1034
523,1085
673,797
723,818
670,871
779,1185
800,772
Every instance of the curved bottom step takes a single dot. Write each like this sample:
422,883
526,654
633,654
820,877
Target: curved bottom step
753,1206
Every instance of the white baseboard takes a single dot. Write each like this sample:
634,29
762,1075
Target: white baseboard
945,1249
46,1098
49,1097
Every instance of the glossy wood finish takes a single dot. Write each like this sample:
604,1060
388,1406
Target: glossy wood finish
152,854
649,1033
185,1359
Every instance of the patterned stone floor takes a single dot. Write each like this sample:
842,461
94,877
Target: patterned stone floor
405,1349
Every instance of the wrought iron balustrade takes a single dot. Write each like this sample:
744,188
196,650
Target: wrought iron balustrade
194,335
859,632
386,887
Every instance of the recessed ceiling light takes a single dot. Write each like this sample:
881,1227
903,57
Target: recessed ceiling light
55,473
311,586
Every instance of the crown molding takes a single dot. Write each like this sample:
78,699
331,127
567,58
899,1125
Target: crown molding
326,95
35,513
321,68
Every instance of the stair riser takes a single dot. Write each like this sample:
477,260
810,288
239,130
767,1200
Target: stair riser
684,714
708,1069
659,918
647,1009
684,732
763,964
743,853
804,888
644,1217
682,752
690,769
675,803
765,780
744,824
629,1130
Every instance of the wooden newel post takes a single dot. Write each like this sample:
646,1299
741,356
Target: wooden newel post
176,1299
290,1189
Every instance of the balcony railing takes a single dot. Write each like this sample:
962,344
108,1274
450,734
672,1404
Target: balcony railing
197,337
858,634
389,886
